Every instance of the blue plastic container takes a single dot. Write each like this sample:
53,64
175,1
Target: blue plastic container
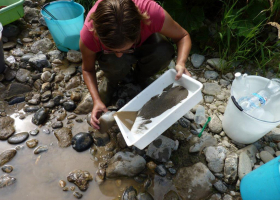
262,183
66,29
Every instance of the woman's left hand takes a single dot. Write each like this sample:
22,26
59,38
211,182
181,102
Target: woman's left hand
181,70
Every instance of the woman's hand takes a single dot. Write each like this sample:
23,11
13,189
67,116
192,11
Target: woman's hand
97,110
181,70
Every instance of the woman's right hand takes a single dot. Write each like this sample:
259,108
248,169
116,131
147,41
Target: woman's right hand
97,110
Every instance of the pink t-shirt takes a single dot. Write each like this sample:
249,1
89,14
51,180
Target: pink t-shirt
155,12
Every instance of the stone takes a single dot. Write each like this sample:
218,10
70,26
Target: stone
215,157
74,56
217,63
6,156
15,89
31,108
30,14
161,170
85,106
100,139
41,149
6,127
64,137
27,40
215,124
62,183
269,150
39,62
189,115
82,141
26,57
125,164
251,151
121,141
10,30
230,169
69,71
212,75
224,82
6,180
18,138
9,45
43,45
244,166
17,52
129,194
227,197
40,116
75,96
55,54
171,195
208,99
80,179
69,105
220,186
184,122
46,76
194,182
197,60
73,83
34,132
204,141
7,168
10,74
46,96
78,195
144,196
266,156
160,149
216,197
275,134
32,143
211,89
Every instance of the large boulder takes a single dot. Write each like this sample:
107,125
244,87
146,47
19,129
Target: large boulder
15,89
85,106
43,45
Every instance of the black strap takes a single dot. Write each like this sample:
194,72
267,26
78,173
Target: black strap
236,104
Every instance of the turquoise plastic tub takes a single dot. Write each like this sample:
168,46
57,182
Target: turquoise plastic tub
65,29
12,11
262,183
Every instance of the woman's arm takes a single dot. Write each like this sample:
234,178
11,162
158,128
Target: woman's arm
182,39
88,67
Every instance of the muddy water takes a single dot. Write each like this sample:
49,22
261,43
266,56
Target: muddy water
38,175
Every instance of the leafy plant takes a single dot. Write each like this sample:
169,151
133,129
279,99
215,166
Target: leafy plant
87,4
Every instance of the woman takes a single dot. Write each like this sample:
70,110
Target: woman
120,33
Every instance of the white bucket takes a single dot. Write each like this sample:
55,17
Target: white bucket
240,126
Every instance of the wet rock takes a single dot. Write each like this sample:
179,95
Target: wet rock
80,178
211,89
100,139
26,57
215,157
172,171
147,183
220,186
72,188
65,189
184,122
57,124
34,132
144,196
212,75
30,14
194,182
32,143
161,148
43,45
244,166
189,115
46,131
46,76
49,104
16,100
69,71
39,62
69,105
27,40
6,156
75,96
121,141
38,84
7,168
55,54
129,194
15,89
10,74
6,180
206,140
74,56
17,52
10,30
217,63
40,116
78,195
64,137
197,60
216,197
61,115
215,124
18,138
31,108
62,183
9,45
6,127
125,164
82,141
266,156
85,106
72,116
251,151
45,87
73,83
230,169
101,174
41,149
161,170
171,195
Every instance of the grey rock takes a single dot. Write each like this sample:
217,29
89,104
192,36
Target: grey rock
18,138
216,197
121,141
160,149
31,108
64,137
125,164
17,52
224,82
40,116
41,149
129,194
189,115
227,197
32,143
39,62
194,182
197,60
10,30
49,104
171,195
42,21
215,124
10,74
73,83
43,45
208,99
55,54
16,100
204,141
27,40
230,76
7,168
251,151
30,14
57,125
230,169
144,196
6,156
161,170
244,166
6,127
9,45
184,122
100,139
85,106
217,63
74,56
46,96
34,132
172,170
215,157
80,179
82,141
266,156
6,180
46,76
26,57
69,71
277,153
212,75
211,89
220,186
22,75
275,135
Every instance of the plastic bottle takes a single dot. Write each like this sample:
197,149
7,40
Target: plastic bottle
199,117
240,86
260,99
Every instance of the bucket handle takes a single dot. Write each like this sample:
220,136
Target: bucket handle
236,104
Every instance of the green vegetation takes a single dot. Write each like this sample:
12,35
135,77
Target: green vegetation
87,4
